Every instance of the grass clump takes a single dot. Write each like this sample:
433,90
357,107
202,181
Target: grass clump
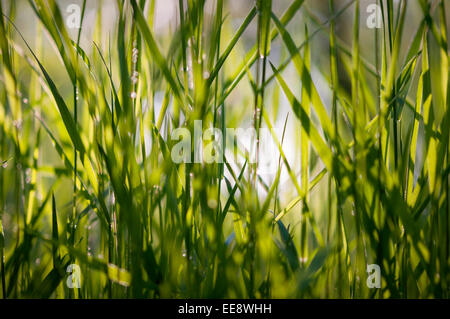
88,184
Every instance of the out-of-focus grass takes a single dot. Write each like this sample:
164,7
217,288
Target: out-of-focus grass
87,177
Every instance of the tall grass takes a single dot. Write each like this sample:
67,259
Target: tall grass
87,176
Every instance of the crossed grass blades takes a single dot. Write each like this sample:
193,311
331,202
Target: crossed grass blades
87,178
